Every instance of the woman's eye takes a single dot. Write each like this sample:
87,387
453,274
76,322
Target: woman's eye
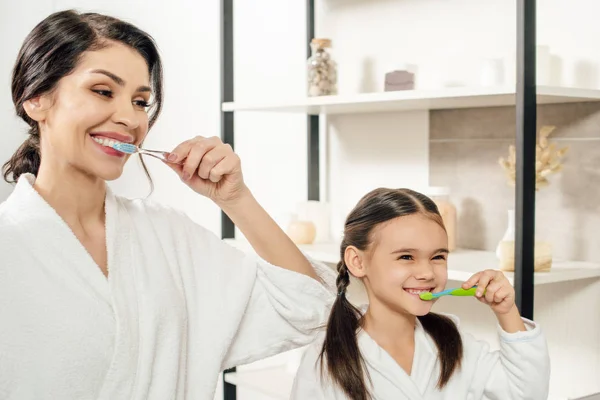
105,93
141,103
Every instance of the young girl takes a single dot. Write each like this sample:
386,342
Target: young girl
107,298
395,242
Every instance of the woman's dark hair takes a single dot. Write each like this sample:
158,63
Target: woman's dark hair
345,364
51,51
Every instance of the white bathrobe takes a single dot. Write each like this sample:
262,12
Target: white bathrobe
520,370
178,307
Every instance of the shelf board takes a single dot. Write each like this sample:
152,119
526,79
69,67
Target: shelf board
464,263
274,382
460,97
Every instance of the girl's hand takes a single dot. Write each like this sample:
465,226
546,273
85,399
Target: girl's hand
499,293
210,168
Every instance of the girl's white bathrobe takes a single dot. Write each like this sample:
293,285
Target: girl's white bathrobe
520,370
178,307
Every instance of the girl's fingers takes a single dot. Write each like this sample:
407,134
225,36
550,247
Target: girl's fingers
491,290
472,281
483,282
500,295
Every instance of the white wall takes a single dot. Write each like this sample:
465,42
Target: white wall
267,64
374,150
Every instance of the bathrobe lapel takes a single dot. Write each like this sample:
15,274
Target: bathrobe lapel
394,382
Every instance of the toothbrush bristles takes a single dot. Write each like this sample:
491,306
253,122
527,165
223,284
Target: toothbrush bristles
426,296
125,147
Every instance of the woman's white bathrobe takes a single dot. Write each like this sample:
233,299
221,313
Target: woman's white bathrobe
520,370
178,307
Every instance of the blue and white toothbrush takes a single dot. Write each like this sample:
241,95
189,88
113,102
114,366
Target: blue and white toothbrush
129,148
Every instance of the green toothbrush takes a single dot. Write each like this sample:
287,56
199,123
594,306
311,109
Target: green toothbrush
449,292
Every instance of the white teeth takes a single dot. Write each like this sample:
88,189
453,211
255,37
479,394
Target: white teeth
416,291
105,141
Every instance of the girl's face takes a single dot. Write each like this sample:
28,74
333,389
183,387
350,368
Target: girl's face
408,255
104,98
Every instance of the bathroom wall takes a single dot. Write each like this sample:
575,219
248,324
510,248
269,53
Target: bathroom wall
465,146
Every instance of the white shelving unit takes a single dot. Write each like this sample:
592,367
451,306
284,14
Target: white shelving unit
462,97
560,294
462,264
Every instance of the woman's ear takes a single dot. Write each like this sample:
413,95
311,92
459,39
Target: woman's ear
354,259
37,108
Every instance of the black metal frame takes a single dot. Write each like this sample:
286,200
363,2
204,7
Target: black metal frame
525,144
227,131
227,118
312,123
526,111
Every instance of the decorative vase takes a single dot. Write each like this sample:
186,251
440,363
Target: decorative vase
509,235
542,256
505,251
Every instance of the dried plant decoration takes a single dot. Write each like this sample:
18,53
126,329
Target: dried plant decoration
547,159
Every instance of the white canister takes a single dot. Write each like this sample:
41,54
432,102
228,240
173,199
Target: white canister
545,68
492,72
317,212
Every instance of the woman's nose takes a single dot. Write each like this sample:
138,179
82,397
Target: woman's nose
126,115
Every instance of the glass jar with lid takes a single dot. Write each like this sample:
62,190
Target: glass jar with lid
321,69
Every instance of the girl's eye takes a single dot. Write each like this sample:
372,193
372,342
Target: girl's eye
440,257
406,257
105,93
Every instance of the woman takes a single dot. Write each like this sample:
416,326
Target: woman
107,298
396,244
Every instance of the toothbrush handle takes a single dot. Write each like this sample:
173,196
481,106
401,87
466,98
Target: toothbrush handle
161,155
464,292
446,292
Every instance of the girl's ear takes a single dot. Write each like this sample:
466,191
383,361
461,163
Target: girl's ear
354,259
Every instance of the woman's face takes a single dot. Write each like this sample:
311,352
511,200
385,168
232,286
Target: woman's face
408,255
104,99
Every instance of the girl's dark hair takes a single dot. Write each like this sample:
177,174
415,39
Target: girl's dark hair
51,51
345,364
